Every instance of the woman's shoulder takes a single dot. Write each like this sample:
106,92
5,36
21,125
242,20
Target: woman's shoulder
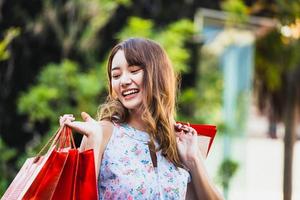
105,122
107,128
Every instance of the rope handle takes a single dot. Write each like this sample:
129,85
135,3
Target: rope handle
67,140
62,138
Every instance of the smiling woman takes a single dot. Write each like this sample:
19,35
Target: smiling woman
140,152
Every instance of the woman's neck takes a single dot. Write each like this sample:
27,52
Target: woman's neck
135,120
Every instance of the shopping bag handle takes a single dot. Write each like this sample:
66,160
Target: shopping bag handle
65,140
57,140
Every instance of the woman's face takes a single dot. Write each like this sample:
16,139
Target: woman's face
127,81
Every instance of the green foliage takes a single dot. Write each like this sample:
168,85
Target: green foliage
9,36
237,11
186,105
37,102
76,24
7,153
226,171
275,56
210,88
137,27
98,13
288,11
203,103
172,38
5,169
61,88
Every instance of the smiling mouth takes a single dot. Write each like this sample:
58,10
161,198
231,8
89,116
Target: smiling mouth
130,92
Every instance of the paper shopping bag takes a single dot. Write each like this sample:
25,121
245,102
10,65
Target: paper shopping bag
206,133
26,176
33,167
62,173
67,184
78,180
86,184
44,185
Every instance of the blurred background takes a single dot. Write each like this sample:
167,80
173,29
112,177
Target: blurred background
239,63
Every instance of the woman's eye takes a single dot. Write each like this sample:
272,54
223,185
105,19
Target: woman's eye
134,70
115,76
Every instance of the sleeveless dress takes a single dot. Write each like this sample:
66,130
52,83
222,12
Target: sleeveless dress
127,171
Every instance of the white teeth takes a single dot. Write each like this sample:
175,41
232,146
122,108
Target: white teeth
128,92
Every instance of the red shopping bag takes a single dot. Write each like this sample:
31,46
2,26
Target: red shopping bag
67,183
54,176
86,184
207,131
78,180
43,187
25,177
28,172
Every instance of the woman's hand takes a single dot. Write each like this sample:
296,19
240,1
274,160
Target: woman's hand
88,127
187,144
94,134
191,157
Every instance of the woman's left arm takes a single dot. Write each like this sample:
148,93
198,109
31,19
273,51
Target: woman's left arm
190,154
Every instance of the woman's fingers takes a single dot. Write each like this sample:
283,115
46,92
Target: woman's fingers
86,127
65,118
86,117
79,127
185,128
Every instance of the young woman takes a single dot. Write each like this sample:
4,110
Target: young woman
140,152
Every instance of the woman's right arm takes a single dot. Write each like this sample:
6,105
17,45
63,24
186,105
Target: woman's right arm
95,134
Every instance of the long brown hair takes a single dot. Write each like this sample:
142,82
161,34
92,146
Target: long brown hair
160,85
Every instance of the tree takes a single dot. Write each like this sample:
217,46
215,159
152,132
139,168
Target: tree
7,154
277,80
49,31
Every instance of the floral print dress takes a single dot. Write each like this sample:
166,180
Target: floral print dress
127,171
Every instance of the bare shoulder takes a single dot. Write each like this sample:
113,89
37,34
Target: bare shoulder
106,123
107,129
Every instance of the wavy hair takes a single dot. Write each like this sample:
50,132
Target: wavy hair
159,84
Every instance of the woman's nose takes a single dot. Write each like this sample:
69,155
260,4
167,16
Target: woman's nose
125,79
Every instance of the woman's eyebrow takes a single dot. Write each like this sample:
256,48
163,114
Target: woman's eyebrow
134,65
115,68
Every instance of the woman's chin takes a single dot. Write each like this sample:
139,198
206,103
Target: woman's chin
132,106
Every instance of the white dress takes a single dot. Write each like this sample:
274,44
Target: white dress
127,171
